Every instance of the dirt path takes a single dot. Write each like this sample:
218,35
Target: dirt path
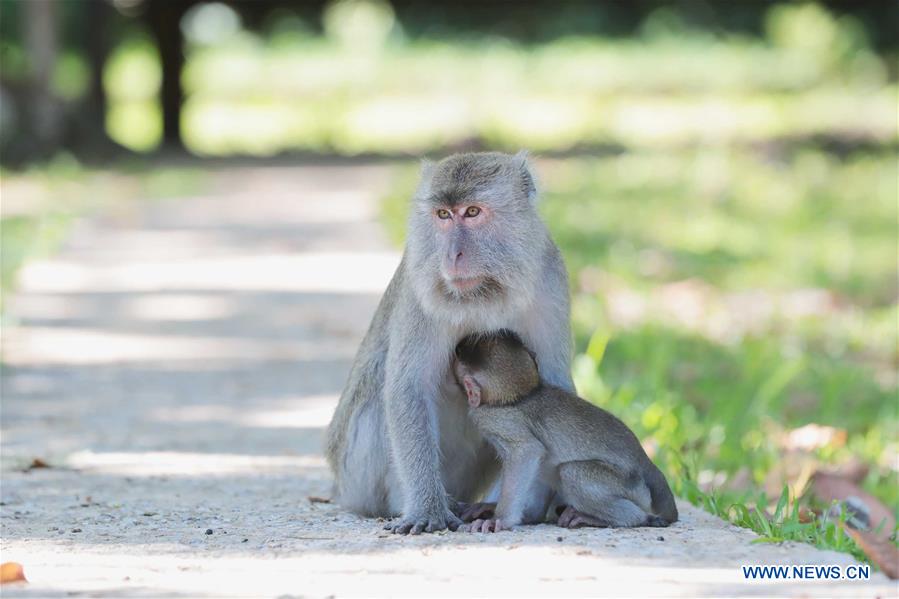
176,363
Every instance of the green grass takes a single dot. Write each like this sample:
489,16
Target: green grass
44,200
371,89
722,298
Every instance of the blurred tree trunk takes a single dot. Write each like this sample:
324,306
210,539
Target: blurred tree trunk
87,128
164,18
45,116
96,49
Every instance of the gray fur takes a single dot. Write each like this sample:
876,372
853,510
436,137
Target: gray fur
591,458
400,442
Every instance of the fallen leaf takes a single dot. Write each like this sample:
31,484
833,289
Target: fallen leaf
881,551
314,499
739,481
651,447
794,468
12,572
35,464
806,515
813,436
855,470
829,488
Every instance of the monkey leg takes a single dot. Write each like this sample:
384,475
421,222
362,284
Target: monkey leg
599,496
365,482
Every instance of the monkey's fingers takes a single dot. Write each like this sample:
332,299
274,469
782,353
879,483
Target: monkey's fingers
453,524
478,511
501,526
416,526
571,518
485,525
566,516
473,526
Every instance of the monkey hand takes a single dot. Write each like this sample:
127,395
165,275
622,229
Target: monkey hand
475,511
487,525
419,523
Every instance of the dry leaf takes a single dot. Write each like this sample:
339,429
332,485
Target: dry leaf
35,464
651,447
855,470
806,515
739,481
11,572
881,551
829,488
813,436
794,469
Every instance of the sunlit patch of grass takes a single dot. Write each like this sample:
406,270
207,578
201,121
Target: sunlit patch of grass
41,203
379,92
785,524
27,237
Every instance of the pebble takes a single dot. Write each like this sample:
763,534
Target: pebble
209,531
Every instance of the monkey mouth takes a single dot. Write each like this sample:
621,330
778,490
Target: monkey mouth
465,284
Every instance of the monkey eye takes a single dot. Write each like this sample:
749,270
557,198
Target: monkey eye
472,211
443,214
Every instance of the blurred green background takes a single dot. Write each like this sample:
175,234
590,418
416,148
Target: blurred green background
720,176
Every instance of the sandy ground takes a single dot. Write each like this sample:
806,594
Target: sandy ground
176,364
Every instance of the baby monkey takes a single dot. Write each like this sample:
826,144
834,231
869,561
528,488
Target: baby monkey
589,457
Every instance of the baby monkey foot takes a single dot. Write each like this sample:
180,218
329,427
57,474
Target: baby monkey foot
486,525
475,511
571,518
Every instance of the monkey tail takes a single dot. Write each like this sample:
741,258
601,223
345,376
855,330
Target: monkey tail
663,505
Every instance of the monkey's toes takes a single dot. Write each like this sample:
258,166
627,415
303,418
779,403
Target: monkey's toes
571,518
484,525
478,511
416,526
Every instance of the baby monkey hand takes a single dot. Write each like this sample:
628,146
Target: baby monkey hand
486,525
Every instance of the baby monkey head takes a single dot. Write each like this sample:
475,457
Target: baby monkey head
495,368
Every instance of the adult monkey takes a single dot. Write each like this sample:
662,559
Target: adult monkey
477,259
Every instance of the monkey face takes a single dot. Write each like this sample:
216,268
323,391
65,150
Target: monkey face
475,227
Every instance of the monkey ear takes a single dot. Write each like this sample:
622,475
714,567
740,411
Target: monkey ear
472,390
528,181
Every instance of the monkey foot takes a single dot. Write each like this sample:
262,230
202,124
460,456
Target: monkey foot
486,525
656,521
571,518
476,511
418,525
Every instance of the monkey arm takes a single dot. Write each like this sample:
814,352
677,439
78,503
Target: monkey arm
546,330
410,392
